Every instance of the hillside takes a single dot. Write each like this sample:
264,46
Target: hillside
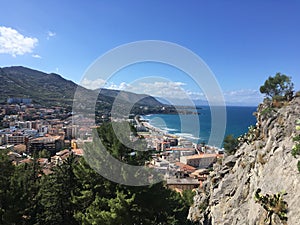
263,162
52,89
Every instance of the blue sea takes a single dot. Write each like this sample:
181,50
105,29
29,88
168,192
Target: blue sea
197,128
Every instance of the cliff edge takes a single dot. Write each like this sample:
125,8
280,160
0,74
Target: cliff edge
263,161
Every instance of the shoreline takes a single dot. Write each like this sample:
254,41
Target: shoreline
160,134
183,140
178,135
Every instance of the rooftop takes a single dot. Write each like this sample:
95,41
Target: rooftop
45,139
182,181
185,167
180,149
199,156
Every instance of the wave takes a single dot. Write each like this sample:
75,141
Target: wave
169,129
187,135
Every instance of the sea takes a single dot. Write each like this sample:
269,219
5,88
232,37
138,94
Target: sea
197,127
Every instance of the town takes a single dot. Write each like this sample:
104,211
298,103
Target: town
28,130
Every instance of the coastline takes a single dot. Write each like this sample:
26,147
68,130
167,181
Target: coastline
157,134
238,119
170,131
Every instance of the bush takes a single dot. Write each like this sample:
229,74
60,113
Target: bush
272,204
296,147
267,111
230,144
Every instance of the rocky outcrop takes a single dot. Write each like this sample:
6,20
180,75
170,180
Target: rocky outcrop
263,161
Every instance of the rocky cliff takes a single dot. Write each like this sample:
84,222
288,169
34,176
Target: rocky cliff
263,162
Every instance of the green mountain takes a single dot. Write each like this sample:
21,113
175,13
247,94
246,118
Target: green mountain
53,90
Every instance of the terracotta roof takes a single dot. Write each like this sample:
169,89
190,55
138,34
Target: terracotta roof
180,149
201,156
78,152
63,152
185,167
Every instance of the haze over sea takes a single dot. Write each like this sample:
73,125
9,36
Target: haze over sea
238,120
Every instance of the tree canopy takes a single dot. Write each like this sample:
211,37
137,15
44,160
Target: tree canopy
278,86
73,193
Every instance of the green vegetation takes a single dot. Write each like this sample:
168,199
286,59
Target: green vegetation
188,196
267,111
230,144
44,154
296,147
278,87
273,204
250,136
75,194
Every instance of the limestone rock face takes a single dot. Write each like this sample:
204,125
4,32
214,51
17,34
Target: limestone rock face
262,161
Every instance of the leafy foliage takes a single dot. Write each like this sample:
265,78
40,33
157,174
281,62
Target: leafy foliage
279,87
296,140
296,147
267,111
273,204
230,144
44,154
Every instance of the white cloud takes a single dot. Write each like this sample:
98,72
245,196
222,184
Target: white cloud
243,97
121,86
196,95
92,84
36,56
163,89
50,34
14,43
176,91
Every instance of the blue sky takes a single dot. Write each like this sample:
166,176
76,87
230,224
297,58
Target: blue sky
243,42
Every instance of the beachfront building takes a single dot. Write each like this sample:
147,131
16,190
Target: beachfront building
199,161
185,143
178,152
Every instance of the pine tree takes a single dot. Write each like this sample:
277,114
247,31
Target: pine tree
56,193
22,191
6,172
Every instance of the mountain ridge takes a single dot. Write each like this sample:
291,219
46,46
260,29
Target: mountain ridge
52,89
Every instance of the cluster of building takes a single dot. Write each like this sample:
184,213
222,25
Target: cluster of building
26,129
184,164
